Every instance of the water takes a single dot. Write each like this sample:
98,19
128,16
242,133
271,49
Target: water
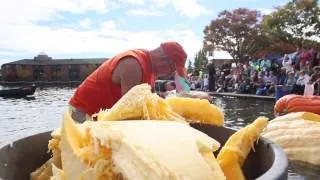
43,112
27,116
240,112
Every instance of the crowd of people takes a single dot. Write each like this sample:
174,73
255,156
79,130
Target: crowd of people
297,74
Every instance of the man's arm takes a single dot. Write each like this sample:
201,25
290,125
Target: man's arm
130,73
195,94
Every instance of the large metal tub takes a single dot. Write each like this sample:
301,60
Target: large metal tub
24,156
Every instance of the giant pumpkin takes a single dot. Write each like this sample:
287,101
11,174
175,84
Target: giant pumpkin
297,103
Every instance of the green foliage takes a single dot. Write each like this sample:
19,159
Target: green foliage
200,60
189,68
238,32
294,23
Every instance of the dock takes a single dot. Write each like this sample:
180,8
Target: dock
249,96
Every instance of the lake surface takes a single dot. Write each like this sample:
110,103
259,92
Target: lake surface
43,112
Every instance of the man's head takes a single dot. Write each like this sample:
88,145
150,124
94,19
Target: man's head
302,73
290,73
168,58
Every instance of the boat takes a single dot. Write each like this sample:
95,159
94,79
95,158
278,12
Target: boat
18,92
19,159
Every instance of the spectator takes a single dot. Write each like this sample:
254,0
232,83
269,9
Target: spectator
296,59
291,80
314,79
229,81
275,67
271,82
242,85
305,60
212,73
302,80
246,69
206,83
261,85
170,89
221,83
253,81
170,86
287,63
282,76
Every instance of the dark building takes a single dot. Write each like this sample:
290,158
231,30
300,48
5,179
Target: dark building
44,68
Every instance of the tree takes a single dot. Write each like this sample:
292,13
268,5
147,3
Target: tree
200,60
296,22
238,32
189,68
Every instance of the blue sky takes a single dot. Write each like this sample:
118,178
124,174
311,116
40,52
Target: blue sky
101,28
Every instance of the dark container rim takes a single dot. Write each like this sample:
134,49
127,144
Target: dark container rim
279,165
280,162
278,170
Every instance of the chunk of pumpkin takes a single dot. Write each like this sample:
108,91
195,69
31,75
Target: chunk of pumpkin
298,134
139,103
236,149
196,110
298,115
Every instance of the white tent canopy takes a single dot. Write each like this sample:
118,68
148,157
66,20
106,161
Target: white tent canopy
220,55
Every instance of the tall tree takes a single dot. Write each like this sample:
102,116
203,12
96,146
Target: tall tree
238,32
189,68
296,22
200,60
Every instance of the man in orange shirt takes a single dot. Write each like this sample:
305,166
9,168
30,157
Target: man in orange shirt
105,86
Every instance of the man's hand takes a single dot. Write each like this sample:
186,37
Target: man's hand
196,94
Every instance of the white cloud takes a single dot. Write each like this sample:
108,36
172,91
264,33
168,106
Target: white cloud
20,33
85,23
190,8
20,11
31,39
108,24
135,2
144,12
181,25
265,11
